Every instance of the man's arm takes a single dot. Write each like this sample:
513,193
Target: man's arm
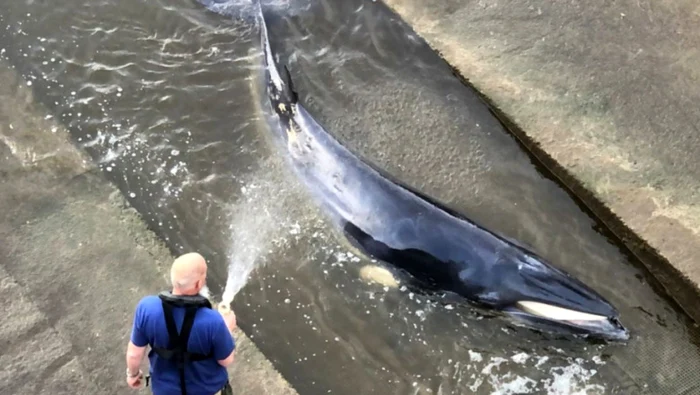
134,356
228,360
223,343
136,348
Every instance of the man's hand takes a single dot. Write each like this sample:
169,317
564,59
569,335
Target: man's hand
228,316
134,382
134,355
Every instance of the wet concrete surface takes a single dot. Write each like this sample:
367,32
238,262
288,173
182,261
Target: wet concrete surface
606,93
162,95
75,259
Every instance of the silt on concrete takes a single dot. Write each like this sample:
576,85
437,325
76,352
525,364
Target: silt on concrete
605,94
74,261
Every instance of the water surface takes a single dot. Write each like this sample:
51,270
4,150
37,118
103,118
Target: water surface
166,97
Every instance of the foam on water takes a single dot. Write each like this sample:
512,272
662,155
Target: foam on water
248,9
516,375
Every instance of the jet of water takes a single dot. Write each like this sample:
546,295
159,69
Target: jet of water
257,224
250,232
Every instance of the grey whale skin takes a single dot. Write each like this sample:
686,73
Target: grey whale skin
440,248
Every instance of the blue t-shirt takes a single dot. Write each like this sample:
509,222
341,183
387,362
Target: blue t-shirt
209,335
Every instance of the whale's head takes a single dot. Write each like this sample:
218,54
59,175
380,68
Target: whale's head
540,296
554,318
549,298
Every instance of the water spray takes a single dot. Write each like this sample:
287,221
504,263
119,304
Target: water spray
255,225
229,294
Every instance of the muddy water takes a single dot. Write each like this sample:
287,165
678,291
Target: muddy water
166,97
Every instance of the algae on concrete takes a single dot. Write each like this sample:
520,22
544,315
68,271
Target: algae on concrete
74,261
607,92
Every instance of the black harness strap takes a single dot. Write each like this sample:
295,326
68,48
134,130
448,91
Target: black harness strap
177,348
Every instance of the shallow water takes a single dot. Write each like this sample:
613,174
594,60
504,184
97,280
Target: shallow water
166,97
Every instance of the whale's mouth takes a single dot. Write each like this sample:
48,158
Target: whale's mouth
560,319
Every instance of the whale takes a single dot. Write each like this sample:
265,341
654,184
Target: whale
438,247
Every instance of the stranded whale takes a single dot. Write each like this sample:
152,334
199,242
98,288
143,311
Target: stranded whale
439,247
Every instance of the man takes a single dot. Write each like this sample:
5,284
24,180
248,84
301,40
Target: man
191,344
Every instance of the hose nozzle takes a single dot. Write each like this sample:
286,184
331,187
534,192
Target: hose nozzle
224,307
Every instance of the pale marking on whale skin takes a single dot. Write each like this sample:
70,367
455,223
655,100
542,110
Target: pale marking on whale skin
310,154
558,313
379,275
291,136
326,168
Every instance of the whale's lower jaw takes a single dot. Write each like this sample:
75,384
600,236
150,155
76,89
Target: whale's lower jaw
555,319
557,313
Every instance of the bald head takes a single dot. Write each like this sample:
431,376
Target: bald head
188,274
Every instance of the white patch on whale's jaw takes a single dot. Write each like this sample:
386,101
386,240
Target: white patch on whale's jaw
557,313
376,274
